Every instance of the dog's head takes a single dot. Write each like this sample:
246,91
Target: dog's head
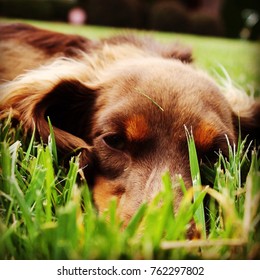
138,130
128,120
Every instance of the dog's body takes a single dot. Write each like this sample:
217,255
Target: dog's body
123,102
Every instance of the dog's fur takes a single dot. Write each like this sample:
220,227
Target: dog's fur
123,103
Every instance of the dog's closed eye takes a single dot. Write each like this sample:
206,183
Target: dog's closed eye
115,141
210,140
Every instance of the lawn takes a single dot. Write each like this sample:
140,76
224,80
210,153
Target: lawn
47,212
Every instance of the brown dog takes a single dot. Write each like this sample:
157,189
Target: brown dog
123,102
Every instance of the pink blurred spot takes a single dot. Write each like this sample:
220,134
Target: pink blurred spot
77,16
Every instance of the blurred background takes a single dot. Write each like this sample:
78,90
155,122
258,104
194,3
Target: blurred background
225,18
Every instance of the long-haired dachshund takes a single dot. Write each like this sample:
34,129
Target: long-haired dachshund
123,103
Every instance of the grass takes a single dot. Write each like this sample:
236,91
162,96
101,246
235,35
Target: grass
47,211
45,214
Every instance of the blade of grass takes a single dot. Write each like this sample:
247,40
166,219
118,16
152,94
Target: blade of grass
11,185
45,160
252,201
30,147
52,143
134,223
71,178
196,181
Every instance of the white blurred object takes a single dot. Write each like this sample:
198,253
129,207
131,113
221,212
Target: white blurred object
77,16
251,18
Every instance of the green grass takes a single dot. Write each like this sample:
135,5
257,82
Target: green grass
47,211
45,214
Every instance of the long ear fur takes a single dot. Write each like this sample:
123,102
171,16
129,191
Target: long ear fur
246,113
249,123
69,105
24,47
170,50
49,42
67,101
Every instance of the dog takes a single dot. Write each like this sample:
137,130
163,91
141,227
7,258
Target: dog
123,104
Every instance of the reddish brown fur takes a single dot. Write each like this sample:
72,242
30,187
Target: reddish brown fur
204,135
50,42
122,103
136,128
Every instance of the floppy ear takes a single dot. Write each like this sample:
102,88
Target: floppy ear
69,105
176,51
171,50
246,111
248,122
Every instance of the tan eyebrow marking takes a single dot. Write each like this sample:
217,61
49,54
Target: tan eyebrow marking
136,128
204,135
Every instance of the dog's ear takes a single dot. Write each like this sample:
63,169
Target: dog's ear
248,122
245,112
169,50
69,105
176,51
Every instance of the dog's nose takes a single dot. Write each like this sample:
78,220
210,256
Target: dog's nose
154,185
